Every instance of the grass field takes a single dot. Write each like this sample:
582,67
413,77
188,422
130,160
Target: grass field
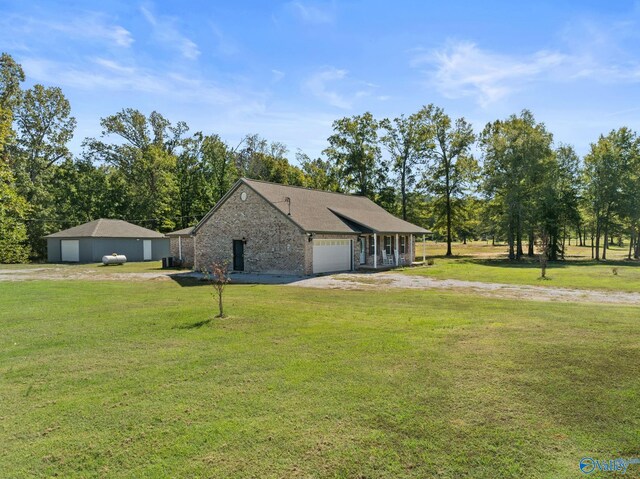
483,262
117,379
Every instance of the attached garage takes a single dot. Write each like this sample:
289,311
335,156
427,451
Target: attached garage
330,255
70,251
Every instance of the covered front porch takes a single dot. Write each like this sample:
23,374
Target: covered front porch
382,251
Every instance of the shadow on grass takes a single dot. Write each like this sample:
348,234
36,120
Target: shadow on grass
186,281
196,325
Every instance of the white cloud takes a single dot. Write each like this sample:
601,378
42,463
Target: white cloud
334,87
317,85
311,13
276,75
462,69
104,74
166,32
86,26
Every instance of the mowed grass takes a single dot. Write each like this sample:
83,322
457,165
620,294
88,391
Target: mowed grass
119,379
483,262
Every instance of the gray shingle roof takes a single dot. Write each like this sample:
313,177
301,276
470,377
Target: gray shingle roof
326,212
182,232
105,228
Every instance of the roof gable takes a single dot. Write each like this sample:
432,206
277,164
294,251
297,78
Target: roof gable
106,228
324,211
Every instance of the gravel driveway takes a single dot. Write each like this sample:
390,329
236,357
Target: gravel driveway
346,281
384,281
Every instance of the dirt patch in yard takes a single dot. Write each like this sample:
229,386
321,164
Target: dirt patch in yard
384,281
61,273
349,281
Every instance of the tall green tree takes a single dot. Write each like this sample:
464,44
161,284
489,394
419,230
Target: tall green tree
408,140
320,174
13,213
44,127
11,75
517,153
259,159
609,178
143,161
452,169
355,150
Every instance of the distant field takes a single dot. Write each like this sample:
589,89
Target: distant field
120,379
482,249
482,262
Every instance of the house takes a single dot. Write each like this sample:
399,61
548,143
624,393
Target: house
89,242
271,228
182,246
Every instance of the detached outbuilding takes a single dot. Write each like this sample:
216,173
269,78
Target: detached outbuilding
89,242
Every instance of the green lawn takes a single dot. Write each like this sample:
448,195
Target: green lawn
119,379
569,274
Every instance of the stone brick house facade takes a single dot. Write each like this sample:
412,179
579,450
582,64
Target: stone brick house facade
270,228
182,246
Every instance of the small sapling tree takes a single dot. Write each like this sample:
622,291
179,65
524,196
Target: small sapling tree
219,277
544,255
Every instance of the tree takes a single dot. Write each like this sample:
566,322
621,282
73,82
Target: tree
143,166
408,141
608,175
44,128
260,160
319,174
13,212
354,150
517,152
219,277
219,166
11,75
452,168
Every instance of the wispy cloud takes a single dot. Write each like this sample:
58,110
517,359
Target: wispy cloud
333,86
463,69
166,31
312,13
91,26
102,74
277,75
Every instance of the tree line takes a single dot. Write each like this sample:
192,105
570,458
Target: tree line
508,183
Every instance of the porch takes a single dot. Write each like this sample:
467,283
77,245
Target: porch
386,251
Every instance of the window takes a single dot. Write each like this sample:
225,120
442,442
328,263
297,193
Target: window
371,251
387,245
403,244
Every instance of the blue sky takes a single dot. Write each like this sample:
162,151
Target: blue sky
286,70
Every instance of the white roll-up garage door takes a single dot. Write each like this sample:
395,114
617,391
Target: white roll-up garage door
331,255
70,250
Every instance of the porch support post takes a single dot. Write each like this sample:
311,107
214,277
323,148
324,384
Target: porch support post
397,251
180,248
424,248
412,257
375,251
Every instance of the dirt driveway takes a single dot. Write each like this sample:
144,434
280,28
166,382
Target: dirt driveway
384,281
347,281
70,272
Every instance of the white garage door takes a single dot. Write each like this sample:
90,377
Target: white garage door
70,250
331,255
